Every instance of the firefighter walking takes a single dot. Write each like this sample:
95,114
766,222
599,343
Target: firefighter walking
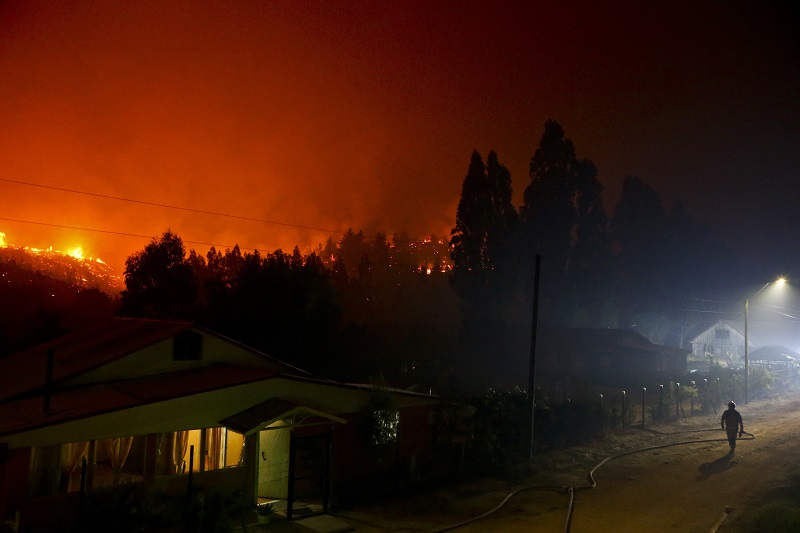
732,423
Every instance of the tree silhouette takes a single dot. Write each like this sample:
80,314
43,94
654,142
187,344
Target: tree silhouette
501,248
469,241
485,270
640,229
590,268
548,209
564,222
158,282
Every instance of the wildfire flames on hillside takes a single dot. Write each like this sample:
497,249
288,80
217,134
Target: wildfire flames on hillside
429,255
71,267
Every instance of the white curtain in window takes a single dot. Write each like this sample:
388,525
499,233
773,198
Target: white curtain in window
181,444
118,449
71,455
214,448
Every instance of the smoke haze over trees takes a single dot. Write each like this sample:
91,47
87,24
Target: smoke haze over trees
438,315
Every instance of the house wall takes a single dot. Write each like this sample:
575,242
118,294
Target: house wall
722,341
416,430
273,462
357,473
14,467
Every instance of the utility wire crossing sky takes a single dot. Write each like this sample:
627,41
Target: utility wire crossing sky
314,116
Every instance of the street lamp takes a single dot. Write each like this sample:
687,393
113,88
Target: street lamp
779,281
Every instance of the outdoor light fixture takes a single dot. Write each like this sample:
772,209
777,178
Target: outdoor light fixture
780,282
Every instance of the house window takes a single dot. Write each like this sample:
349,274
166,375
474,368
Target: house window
221,448
187,346
722,334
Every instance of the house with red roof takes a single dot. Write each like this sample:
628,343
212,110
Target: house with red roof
170,404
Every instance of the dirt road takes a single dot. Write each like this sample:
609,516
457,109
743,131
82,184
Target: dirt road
684,488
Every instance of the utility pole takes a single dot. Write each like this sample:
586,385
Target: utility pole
532,363
747,353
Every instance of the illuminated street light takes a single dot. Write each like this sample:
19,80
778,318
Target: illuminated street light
779,282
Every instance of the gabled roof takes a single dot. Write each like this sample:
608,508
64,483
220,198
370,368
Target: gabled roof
754,337
81,351
735,325
28,413
601,340
266,413
88,349
85,400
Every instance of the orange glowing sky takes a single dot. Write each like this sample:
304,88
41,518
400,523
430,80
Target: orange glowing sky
360,114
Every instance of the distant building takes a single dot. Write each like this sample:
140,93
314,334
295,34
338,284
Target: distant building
777,359
604,356
722,342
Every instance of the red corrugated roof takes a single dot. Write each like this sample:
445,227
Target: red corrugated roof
81,351
25,414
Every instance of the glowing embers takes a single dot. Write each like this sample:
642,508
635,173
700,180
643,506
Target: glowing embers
71,266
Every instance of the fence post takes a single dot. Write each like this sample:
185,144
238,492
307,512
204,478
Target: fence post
189,480
705,396
677,400
623,410
644,398
691,403
661,403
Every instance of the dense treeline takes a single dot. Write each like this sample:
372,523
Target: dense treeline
366,310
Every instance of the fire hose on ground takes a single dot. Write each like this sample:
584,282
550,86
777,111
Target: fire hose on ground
592,482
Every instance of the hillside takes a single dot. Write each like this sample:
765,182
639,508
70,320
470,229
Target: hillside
71,269
35,305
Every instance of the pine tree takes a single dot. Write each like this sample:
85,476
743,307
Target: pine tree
473,218
564,222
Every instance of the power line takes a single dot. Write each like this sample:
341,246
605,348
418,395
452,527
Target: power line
705,300
168,206
118,233
179,208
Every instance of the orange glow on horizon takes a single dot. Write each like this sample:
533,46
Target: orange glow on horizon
296,124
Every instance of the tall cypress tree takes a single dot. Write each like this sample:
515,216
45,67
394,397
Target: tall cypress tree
503,218
484,270
548,209
473,217
641,234
564,221
590,268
